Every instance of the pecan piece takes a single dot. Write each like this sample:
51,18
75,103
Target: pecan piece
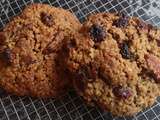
153,63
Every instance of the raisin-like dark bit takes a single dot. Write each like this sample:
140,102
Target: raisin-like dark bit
6,56
2,38
125,52
120,92
121,22
47,19
97,33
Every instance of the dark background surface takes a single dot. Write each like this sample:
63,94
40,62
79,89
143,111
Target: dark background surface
71,106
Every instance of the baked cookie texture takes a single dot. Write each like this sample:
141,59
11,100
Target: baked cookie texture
29,45
115,62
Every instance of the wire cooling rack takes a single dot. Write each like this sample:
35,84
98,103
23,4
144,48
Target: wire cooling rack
71,106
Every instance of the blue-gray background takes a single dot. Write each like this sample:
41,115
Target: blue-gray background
71,106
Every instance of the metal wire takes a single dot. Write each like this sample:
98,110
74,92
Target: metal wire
71,106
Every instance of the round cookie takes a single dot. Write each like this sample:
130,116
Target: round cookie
29,45
115,62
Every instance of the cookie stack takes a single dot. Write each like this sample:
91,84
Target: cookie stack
112,60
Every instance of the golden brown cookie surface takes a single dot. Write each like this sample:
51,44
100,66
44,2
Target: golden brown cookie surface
115,62
29,47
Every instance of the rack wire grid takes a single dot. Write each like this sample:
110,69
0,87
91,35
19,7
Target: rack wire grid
71,106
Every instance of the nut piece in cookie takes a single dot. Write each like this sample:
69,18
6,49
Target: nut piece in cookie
153,63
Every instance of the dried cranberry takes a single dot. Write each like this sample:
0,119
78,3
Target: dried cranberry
121,22
124,50
47,19
97,33
121,92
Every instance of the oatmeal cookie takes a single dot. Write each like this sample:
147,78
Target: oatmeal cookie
29,45
116,63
